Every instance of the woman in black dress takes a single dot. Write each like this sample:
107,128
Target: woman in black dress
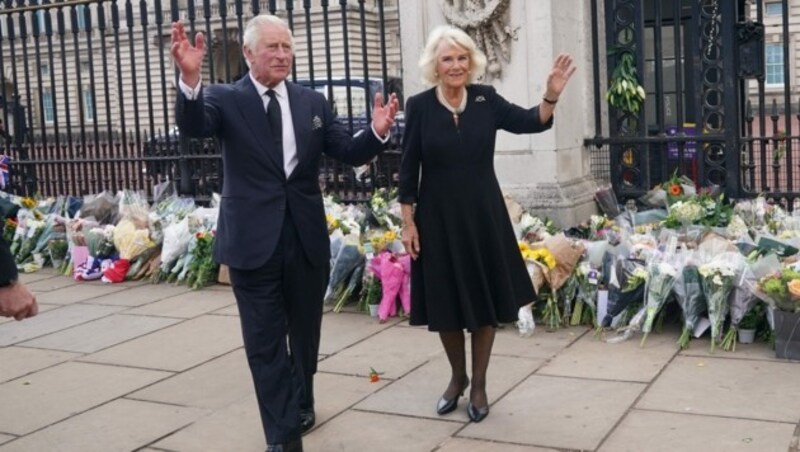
467,271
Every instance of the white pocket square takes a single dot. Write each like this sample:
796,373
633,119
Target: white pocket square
316,123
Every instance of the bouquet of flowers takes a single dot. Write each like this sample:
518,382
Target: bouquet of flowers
780,289
660,279
716,279
625,284
99,241
203,269
741,301
689,294
349,255
380,210
130,242
588,279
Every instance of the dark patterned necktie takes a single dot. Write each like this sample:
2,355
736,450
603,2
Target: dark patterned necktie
275,123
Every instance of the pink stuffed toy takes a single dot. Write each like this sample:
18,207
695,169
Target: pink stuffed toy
395,276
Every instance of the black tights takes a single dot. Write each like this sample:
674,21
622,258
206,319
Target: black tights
482,341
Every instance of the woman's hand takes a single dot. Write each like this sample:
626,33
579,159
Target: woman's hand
411,239
559,76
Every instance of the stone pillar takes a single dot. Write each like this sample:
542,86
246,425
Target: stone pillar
547,172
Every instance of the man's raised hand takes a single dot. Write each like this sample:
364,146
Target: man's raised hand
188,57
383,114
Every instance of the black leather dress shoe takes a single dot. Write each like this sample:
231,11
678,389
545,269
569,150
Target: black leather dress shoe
307,420
445,406
477,414
295,445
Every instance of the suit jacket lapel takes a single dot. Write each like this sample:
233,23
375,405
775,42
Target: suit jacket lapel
301,119
251,106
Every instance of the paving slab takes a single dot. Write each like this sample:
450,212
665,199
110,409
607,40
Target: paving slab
667,432
18,361
230,310
214,384
5,438
61,391
557,412
45,273
42,308
52,321
119,425
474,445
366,431
102,333
625,361
140,295
417,393
394,351
336,393
49,284
187,305
727,387
178,347
236,427
542,344
343,329
78,292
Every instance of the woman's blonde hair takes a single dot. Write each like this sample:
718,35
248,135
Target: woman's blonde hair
453,36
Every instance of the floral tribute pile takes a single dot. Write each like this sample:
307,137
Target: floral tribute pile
714,266
114,237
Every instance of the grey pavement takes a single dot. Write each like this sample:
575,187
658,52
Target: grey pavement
148,367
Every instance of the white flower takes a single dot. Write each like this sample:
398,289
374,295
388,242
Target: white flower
667,269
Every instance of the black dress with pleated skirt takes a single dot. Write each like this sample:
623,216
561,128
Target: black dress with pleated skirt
470,272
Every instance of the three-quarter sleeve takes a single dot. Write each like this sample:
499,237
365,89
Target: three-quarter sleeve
515,119
412,152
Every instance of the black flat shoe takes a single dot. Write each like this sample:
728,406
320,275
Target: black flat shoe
477,414
307,420
445,406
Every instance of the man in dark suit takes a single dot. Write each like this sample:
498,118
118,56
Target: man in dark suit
271,230
15,299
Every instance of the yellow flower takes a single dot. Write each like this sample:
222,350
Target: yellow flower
544,256
389,236
523,247
28,202
794,288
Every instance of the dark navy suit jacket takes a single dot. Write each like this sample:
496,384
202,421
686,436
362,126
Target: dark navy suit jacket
256,193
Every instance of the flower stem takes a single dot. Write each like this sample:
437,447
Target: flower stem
686,337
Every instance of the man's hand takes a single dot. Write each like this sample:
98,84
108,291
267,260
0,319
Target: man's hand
383,114
188,57
17,301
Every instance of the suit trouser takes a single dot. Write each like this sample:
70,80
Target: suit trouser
282,298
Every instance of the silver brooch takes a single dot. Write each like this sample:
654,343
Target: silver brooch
316,123
480,99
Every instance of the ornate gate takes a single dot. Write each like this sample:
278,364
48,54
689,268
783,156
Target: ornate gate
708,68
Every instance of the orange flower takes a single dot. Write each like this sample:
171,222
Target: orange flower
794,288
374,376
675,190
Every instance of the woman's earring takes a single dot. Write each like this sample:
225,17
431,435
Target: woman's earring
436,74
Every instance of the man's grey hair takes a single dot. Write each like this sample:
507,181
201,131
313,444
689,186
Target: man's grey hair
252,31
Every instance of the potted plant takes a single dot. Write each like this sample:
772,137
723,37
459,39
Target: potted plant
750,323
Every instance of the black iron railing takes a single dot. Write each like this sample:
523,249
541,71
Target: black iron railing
88,87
